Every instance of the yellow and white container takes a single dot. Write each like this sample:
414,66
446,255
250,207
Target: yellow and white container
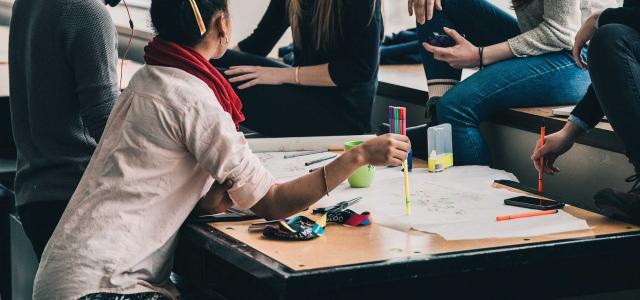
440,147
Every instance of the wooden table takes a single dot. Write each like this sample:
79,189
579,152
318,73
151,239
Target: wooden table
377,262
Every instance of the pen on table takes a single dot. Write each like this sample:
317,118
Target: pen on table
527,215
338,207
542,134
287,156
313,162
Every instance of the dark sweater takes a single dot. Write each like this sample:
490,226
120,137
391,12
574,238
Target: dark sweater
63,83
353,62
588,109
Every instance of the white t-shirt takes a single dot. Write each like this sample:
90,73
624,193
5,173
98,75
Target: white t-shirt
166,141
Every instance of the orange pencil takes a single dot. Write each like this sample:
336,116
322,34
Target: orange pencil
542,134
527,215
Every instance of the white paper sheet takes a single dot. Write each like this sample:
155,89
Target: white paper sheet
459,203
303,143
490,228
286,169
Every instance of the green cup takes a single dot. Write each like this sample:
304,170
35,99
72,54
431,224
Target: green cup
363,177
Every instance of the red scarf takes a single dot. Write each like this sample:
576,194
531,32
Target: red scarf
169,54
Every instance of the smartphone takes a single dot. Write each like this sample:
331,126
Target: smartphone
534,203
441,40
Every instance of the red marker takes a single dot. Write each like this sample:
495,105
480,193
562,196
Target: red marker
542,134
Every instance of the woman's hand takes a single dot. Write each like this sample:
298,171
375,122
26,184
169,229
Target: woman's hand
462,55
253,75
583,36
216,200
385,150
555,145
288,198
424,8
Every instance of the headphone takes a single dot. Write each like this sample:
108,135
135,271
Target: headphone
112,3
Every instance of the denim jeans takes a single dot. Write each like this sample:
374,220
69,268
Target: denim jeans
400,48
544,80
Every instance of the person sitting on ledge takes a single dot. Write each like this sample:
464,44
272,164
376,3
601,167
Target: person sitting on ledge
614,67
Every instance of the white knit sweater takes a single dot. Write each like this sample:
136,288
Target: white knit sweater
551,25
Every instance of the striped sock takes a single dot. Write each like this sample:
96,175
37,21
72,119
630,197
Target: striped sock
439,87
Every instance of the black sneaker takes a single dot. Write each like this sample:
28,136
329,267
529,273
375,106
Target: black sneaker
620,205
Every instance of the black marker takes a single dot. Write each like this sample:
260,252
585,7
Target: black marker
313,162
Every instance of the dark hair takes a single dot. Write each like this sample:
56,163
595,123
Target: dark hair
520,4
326,21
175,21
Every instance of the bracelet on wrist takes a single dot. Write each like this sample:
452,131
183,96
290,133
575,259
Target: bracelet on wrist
481,54
326,183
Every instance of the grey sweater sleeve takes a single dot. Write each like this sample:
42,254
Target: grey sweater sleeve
90,42
560,23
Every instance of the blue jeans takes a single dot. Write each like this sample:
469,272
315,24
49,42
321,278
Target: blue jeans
544,80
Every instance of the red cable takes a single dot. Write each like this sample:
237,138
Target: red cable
126,51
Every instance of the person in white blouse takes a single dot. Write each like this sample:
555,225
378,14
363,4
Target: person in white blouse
170,146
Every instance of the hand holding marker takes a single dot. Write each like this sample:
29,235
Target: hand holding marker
542,134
